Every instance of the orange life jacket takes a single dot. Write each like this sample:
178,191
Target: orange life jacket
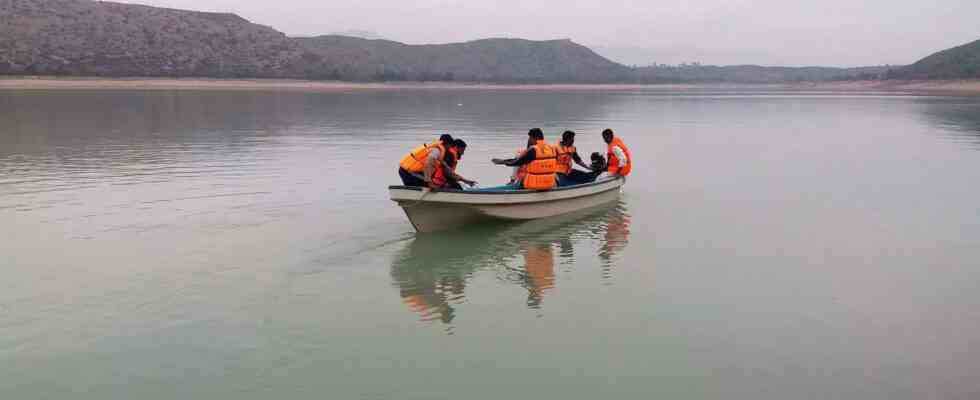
440,174
565,158
541,171
521,171
614,162
415,160
540,266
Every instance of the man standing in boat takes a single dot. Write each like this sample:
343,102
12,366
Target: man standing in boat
618,155
417,168
541,161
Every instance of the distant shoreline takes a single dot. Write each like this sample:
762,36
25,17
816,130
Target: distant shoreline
47,82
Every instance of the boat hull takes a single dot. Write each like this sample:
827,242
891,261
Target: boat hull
431,211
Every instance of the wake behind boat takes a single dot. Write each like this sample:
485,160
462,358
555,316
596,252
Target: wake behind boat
436,210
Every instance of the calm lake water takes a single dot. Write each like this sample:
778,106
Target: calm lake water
241,245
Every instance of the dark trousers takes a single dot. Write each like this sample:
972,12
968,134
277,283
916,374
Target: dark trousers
452,184
410,179
576,177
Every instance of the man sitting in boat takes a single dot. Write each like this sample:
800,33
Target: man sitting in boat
417,167
541,161
598,166
445,176
567,153
618,155
519,171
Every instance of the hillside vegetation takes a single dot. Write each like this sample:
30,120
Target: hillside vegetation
488,60
961,62
696,73
90,38
80,37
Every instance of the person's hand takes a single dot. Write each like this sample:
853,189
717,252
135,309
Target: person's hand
497,161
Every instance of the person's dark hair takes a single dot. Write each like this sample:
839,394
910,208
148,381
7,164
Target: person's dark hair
460,146
536,133
607,135
446,139
567,137
598,161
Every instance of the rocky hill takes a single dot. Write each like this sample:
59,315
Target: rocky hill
95,38
961,62
81,37
489,60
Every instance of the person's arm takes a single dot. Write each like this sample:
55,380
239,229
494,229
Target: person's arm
526,158
430,164
578,160
620,156
455,176
460,178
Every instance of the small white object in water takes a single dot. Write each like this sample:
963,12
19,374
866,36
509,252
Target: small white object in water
459,104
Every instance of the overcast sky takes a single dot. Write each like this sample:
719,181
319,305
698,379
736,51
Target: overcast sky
767,32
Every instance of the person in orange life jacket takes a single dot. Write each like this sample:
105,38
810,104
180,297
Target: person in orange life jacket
520,171
417,167
541,161
566,154
618,155
445,175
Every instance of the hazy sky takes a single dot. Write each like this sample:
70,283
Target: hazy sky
768,32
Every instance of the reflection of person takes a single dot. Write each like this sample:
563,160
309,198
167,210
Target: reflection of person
540,272
433,302
616,236
428,279
432,272
417,167
618,155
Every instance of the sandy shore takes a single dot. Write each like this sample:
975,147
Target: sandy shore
38,82
30,82
958,86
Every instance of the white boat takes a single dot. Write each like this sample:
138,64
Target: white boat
436,210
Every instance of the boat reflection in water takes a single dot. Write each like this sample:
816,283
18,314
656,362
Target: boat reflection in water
431,273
